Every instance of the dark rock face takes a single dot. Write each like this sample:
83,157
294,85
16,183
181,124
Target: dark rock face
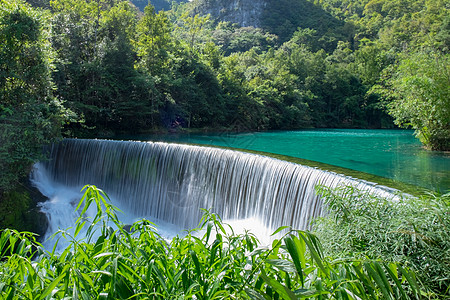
245,13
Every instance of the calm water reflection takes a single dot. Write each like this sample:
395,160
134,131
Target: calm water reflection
394,154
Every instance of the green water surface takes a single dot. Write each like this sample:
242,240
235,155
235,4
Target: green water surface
394,154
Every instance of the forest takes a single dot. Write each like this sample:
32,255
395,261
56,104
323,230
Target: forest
98,68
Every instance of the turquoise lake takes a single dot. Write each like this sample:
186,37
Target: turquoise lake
394,154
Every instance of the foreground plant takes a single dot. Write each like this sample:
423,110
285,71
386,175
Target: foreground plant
412,230
211,262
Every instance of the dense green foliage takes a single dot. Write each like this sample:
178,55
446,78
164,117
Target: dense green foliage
30,114
404,46
323,64
214,263
420,92
413,231
378,41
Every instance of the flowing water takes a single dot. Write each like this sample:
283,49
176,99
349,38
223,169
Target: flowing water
394,154
171,183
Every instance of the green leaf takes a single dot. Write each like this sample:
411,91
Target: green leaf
259,250
103,272
280,229
105,254
283,291
281,264
197,264
392,271
410,277
209,227
255,295
305,293
312,244
295,255
49,289
79,226
374,273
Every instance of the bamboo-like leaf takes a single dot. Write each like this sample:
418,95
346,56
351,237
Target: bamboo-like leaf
4,238
259,250
378,280
114,280
280,229
283,291
352,295
74,292
213,251
11,294
307,293
392,270
79,226
126,271
255,295
196,264
123,289
21,248
281,264
295,255
358,288
301,248
383,277
364,278
209,227
83,198
313,250
411,280
103,272
86,279
31,275
105,254
49,289
160,277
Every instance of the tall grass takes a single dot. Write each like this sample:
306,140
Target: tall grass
215,264
414,231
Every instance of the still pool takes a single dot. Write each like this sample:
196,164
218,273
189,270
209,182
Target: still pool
394,154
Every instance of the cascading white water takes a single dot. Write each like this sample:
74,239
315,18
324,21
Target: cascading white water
172,182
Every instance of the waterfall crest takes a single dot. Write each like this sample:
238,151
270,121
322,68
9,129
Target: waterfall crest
172,182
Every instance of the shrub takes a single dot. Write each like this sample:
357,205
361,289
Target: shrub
412,231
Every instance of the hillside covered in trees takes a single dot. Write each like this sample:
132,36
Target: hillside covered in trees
98,68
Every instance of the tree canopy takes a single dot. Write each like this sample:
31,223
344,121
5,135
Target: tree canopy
352,64
30,114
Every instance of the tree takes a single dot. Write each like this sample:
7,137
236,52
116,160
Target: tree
76,40
420,97
130,95
193,26
30,115
96,71
154,40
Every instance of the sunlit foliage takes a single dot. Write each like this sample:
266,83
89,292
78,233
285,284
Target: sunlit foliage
211,262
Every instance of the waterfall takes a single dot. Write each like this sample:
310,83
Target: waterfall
172,182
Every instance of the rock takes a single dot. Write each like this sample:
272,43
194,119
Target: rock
245,13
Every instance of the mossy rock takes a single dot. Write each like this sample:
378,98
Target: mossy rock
18,210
